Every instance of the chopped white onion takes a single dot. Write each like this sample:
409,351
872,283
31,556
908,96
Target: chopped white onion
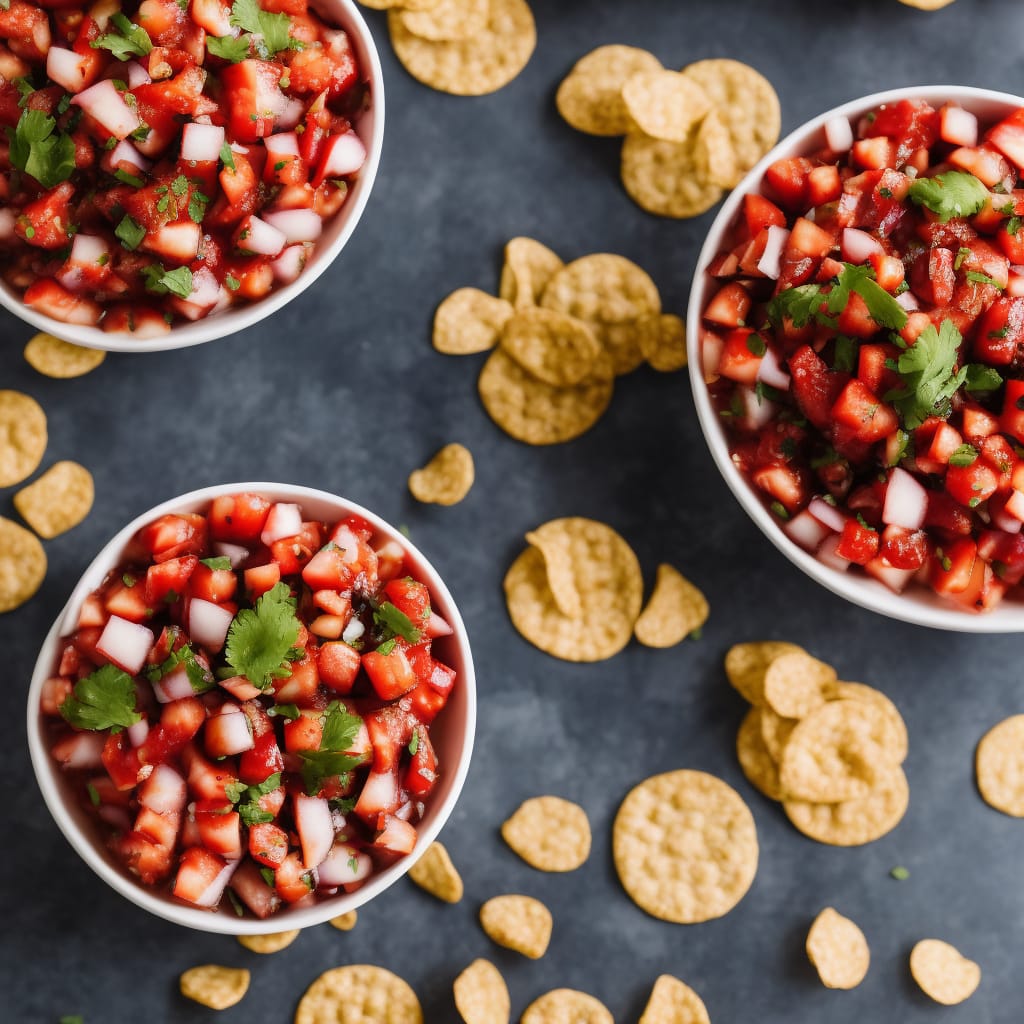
283,520
772,372
201,142
805,530
906,501
262,238
858,246
343,154
125,643
234,553
958,126
296,225
105,105
838,134
770,263
827,514
208,623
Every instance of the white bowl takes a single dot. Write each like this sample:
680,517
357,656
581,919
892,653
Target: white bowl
451,734
916,604
336,233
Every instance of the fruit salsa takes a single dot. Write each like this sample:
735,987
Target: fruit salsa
246,702
169,159
863,348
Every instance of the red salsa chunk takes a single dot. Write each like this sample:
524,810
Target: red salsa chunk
864,347
245,705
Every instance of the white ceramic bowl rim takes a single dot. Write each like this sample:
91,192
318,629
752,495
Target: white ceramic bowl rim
230,321
917,604
47,773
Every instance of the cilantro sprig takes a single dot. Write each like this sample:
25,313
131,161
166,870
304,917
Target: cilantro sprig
261,638
952,194
929,376
266,33
247,799
199,676
339,731
395,623
41,151
103,700
159,281
128,41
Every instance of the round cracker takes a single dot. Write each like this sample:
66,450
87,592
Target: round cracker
860,691
409,5
664,104
447,19
566,1006
663,342
481,995
359,994
609,583
838,950
603,288
518,922
529,265
664,178
590,96
446,479
549,833
22,436
469,321
58,500
673,1002
59,359
854,822
795,684
838,752
475,66
746,664
999,765
22,564
553,347
214,986
747,104
272,942
943,972
557,552
621,342
775,731
674,610
927,5
345,922
436,873
537,413
715,155
685,846
754,757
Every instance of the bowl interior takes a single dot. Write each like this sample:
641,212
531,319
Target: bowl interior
917,604
451,734
337,231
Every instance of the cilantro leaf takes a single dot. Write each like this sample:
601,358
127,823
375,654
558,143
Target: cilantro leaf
952,194
339,731
800,304
127,42
965,455
979,278
396,622
199,676
845,354
103,700
270,31
130,233
227,156
229,47
160,282
223,562
982,378
39,151
289,711
883,308
927,371
900,873
260,638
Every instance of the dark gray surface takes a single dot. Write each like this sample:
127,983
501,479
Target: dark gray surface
343,391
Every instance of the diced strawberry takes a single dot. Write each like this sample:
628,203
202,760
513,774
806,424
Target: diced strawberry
815,387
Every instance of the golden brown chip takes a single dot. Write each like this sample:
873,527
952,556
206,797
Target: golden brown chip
446,478
22,564
555,348
674,610
838,949
214,986
663,342
622,344
60,359
566,1006
469,321
549,833
943,972
556,547
999,765
868,694
746,102
664,104
590,96
447,19
60,499
409,5
608,581
754,757
344,922
927,5
775,731
481,995
518,922
603,288
436,873
746,664
537,413
673,1002
715,156
272,942
685,846
854,822
664,178
359,994
480,64
838,752
795,684
529,266
22,436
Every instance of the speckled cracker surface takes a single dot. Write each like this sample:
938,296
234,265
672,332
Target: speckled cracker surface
943,972
795,684
272,942
554,347
838,950
715,156
359,994
22,436
663,342
409,5
436,873
664,104
566,1006
674,1002
22,564
518,922
214,986
673,611
549,833
557,548
860,691
447,19
775,731
59,359
664,178
590,96
345,922
609,584
754,757
446,479
603,288
999,766
685,846
529,265
474,66
746,664
58,500
468,321
481,995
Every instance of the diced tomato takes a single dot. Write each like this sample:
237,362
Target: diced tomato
262,761
760,213
268,844
220,828
729,306
198,870
953,566
121,761
168,580
215,585
857,543
742,355
291,879
787,180
338,664
390,674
